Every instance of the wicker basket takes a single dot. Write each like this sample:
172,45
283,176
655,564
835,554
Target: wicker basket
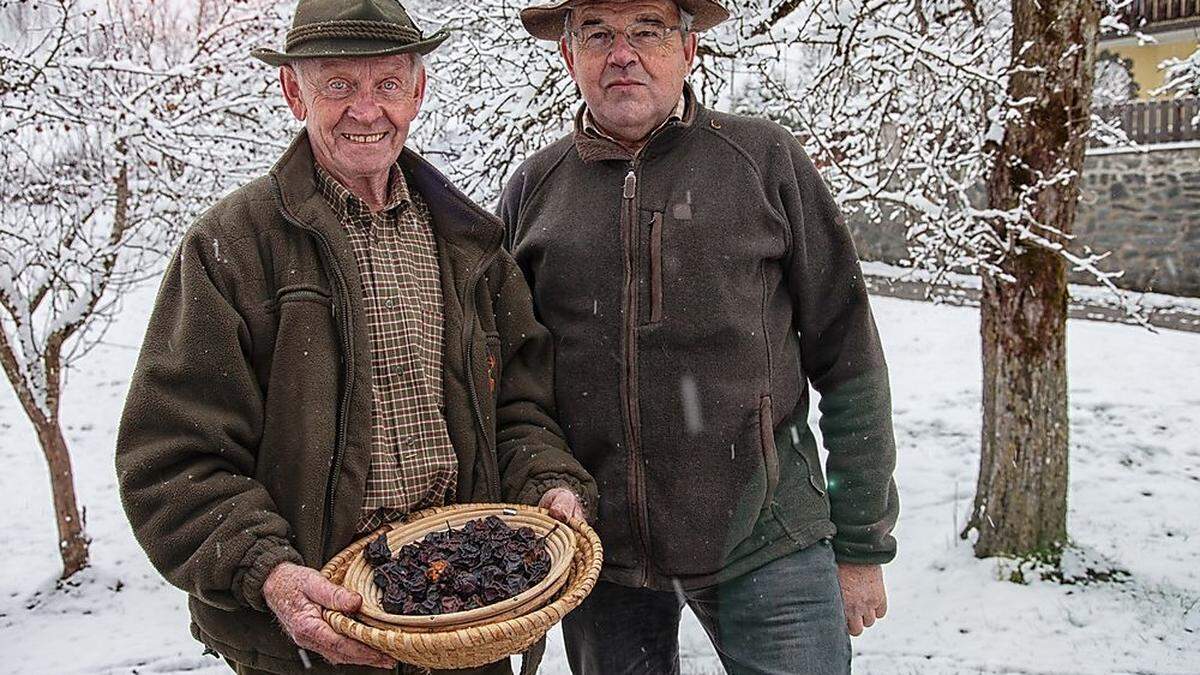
560,544
476,637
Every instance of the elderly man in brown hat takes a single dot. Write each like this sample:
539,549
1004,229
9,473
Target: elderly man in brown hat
697,277
335,344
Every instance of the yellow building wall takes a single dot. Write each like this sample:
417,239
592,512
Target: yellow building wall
1146,59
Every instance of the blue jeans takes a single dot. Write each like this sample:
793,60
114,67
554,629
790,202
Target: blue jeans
785,618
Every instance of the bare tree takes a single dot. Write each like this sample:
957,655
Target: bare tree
117,124
495,95
1021,498
968,122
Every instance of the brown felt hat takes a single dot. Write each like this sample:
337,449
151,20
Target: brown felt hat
350,28
545,21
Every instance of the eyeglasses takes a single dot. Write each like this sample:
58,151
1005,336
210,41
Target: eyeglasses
599,37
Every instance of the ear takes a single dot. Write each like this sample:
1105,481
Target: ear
290,82
690,44
568,56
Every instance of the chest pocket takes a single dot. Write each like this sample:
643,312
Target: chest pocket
648,267
295,328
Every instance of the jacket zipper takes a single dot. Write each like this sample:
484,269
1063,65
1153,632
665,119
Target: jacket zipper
347,329
492,476
339,446
639,515
638,503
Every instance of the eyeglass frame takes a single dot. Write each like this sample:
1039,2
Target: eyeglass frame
683,28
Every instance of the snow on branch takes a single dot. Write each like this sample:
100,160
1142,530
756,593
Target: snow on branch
119,123
903,105
1181,78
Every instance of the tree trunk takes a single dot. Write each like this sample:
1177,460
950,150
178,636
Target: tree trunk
1021,499
72,541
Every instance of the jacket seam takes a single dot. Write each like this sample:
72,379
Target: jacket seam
780,219
783,545
762,272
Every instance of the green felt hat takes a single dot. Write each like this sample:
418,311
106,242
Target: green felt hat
350,28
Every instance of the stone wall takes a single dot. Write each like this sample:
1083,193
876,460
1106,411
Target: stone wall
1143,207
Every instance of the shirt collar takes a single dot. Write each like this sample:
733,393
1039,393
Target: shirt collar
346,204
590,126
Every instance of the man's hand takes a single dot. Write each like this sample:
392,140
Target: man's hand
563,504
863,594
298,595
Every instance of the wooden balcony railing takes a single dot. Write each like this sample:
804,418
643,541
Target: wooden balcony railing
1150,15
1147,122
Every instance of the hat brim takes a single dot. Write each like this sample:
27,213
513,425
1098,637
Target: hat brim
348,49
545,22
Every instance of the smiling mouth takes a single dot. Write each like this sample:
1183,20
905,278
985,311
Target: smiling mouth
361,138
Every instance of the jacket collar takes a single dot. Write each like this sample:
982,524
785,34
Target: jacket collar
472,233
590,127
593,146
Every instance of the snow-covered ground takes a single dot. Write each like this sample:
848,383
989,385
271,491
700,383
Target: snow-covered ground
1135,483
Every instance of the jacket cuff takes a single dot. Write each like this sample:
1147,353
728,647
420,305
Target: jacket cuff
856,553
263,556
539,485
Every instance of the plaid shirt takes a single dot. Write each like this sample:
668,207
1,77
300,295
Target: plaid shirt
413,464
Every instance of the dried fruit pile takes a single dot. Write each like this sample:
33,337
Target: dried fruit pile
483,562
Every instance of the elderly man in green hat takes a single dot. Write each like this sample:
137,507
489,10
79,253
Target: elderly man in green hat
335,344
697,277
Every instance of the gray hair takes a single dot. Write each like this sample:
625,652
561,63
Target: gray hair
685,23
685,20
417,61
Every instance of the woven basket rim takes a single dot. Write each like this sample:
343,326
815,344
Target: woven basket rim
560,568
477,644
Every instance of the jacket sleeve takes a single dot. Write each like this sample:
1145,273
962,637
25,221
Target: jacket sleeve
187,443
530,446
843,359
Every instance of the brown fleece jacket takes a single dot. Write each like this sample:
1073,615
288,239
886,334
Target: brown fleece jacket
245,439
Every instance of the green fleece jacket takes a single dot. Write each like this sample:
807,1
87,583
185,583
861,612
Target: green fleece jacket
694,291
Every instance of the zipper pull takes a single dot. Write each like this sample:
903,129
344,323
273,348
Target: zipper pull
630,185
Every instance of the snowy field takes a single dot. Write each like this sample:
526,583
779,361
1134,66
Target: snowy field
1135,485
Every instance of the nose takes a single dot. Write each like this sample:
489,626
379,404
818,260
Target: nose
622,54
364,108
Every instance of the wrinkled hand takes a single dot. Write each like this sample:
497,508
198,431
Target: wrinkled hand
563,504
297,595
863,594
